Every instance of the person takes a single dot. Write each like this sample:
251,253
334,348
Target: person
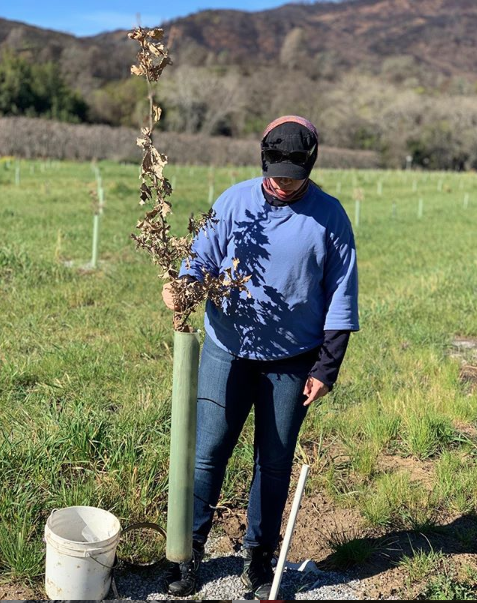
278,347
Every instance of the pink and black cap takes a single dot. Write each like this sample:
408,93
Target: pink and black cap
289,148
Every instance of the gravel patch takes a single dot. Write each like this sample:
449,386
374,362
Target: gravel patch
220,580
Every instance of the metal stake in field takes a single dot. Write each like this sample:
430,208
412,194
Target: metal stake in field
289,532
17,174
394,210
420,208
466,200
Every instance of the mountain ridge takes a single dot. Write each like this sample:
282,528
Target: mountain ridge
438,34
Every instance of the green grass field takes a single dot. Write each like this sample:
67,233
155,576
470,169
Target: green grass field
86,356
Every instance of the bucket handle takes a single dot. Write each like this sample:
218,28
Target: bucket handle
133,526
108,567
141,525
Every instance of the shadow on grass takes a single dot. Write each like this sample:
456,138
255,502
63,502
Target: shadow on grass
456,537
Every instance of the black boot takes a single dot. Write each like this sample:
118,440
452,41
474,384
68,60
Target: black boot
187,574
257,571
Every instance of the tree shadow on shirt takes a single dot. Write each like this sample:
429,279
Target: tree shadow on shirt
264,327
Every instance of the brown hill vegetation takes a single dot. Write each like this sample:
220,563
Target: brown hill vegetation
437,34
393,76
440,34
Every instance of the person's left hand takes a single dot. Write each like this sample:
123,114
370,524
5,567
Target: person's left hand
314,389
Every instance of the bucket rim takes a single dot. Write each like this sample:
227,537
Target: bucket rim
52,535
80,549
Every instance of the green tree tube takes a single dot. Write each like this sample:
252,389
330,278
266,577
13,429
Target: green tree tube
182,449
94,254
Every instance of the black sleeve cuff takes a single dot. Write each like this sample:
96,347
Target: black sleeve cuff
330,356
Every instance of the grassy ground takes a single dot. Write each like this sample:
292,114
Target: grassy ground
85,356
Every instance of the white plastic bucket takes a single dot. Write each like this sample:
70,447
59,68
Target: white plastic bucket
80,552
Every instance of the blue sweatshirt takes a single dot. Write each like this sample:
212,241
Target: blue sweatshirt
302,262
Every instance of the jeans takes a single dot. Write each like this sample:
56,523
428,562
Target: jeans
228,388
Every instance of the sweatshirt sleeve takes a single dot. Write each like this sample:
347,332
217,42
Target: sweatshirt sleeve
330,357
209,246
340,281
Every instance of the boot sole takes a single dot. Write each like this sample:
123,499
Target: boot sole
183,593
246,581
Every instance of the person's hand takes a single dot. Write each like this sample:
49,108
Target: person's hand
314,389
168,297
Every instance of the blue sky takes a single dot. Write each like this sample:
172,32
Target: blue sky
89,17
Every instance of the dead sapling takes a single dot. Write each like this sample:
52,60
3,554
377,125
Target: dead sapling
154,236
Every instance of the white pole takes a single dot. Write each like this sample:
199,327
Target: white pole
289,532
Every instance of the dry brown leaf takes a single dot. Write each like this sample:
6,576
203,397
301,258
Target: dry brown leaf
157,111
137,70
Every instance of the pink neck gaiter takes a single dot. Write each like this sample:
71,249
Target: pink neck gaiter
286,197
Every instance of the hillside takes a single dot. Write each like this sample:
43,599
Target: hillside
438,34
86,62
396,77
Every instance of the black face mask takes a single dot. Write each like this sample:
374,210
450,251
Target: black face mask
289,151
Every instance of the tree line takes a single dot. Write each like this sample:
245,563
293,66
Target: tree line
396,112
37,90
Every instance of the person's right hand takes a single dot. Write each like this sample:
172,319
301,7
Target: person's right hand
168,297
